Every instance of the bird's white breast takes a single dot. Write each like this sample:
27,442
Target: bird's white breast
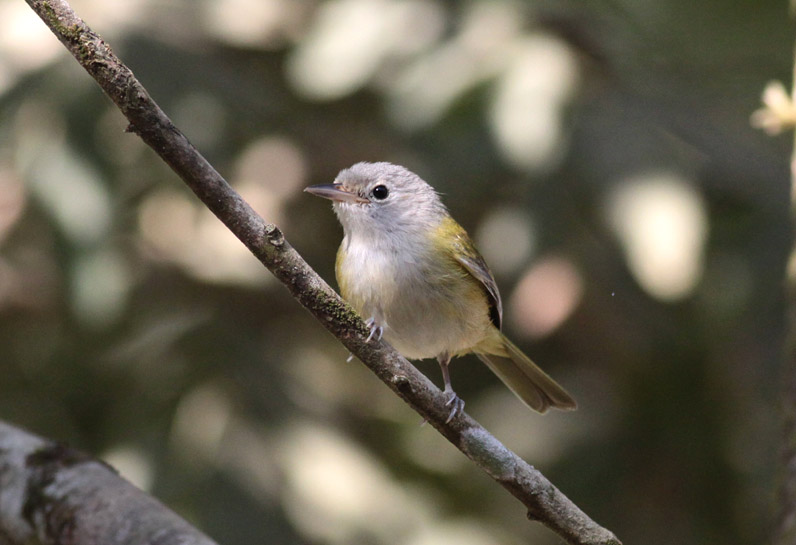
427,305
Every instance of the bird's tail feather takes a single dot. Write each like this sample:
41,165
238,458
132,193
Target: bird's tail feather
523,377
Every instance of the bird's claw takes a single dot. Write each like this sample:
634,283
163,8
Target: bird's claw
457,407
456,404
376,331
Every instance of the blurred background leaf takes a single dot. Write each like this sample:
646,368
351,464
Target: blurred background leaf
601,155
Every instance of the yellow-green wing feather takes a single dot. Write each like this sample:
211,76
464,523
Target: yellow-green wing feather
463,251
517,371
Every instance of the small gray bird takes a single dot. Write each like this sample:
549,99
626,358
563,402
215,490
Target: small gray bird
407,266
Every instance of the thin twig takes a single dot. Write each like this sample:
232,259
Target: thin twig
785,530
543,501
778,114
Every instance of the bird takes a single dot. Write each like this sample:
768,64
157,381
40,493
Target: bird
413,272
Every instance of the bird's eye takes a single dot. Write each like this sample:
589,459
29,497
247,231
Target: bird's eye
380,192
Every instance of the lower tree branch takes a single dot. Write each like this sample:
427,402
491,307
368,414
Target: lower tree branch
544,501
50,493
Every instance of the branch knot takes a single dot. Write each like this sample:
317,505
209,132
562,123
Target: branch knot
274,235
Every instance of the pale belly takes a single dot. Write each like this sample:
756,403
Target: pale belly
426,308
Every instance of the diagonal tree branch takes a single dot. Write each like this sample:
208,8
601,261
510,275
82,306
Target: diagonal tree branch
50,493
544,501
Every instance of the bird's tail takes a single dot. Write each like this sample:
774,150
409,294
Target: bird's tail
523,377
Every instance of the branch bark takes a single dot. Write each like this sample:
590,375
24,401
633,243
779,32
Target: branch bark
50,493
543,501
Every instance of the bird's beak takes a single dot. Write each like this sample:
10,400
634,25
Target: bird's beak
335,192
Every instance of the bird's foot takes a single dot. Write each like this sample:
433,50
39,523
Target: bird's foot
376,331
455,403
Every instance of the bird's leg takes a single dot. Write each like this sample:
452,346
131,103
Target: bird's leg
376,330
456,403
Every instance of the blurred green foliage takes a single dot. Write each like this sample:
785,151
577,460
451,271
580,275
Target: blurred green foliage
600,153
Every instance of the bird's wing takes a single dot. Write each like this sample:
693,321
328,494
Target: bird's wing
463,251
